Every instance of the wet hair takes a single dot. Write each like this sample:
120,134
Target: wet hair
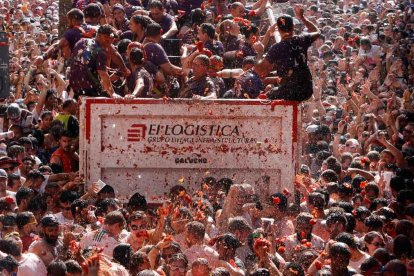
115,217
137,202
283,204
347,206
136,57
180,257
68,196
123,45
23,219
382,255
370,264
374,223
153,29
92,10
405,195
345,189
361,213
122,254
356,183
206,62
23,193
57,268
329,176
348,239
11,247
350,223
137,260
396,266
34,174
78,205
238,224
225,183
378,202
73,267
208,29
340,248
372,187
317,200
247,31
402,247
155,4
387,213
285,23
104,205
9,263
335,218
197,229
37,204
229,240
197,16
144,21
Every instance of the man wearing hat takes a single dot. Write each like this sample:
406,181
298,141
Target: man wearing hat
18,116
289,56
8,164
50,246
88,74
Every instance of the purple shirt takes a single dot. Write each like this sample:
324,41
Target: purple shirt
155,56
87,58
166,23
189,5
72,35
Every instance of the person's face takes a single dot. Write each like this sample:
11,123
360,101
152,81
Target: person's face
335,228
340,261
119,15
377,242
346,163
30,227
202,36
134,27
168,252
65,143
177,268
46,121
303,228
114,229
138,225
66,210
239,11
28,165
199,68
351,148
51,234
106,40
387,158
156,14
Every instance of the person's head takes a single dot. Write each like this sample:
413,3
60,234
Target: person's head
23,196
70,106
56,268
178,265
373,240
349,240
118,12
36,178
27,164
303,226
200,66
194,233
365,44
154,31
3,181
106,205
374,223
50,227
26,223
370,266
114,223
157,11
395,268
14,182
11,245
316,201
122,254
336,223
73,268
237,9
136,56
382,255
92,13
105,35
200,267
139,262
139,23
285,25
8,222
13,113
206,32
226,246
66,199
402,247
168,252
239,227
65,141
138,224
9,266
340,255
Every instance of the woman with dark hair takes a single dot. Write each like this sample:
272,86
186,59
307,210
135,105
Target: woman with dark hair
140,82
137,26
197,17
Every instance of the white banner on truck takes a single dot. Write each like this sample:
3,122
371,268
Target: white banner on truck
150,145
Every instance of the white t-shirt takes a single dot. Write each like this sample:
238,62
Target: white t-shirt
356,265
101,239
30,265
62,220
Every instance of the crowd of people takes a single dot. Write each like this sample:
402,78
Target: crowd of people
349,64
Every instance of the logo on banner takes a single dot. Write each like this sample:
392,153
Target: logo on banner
136,132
